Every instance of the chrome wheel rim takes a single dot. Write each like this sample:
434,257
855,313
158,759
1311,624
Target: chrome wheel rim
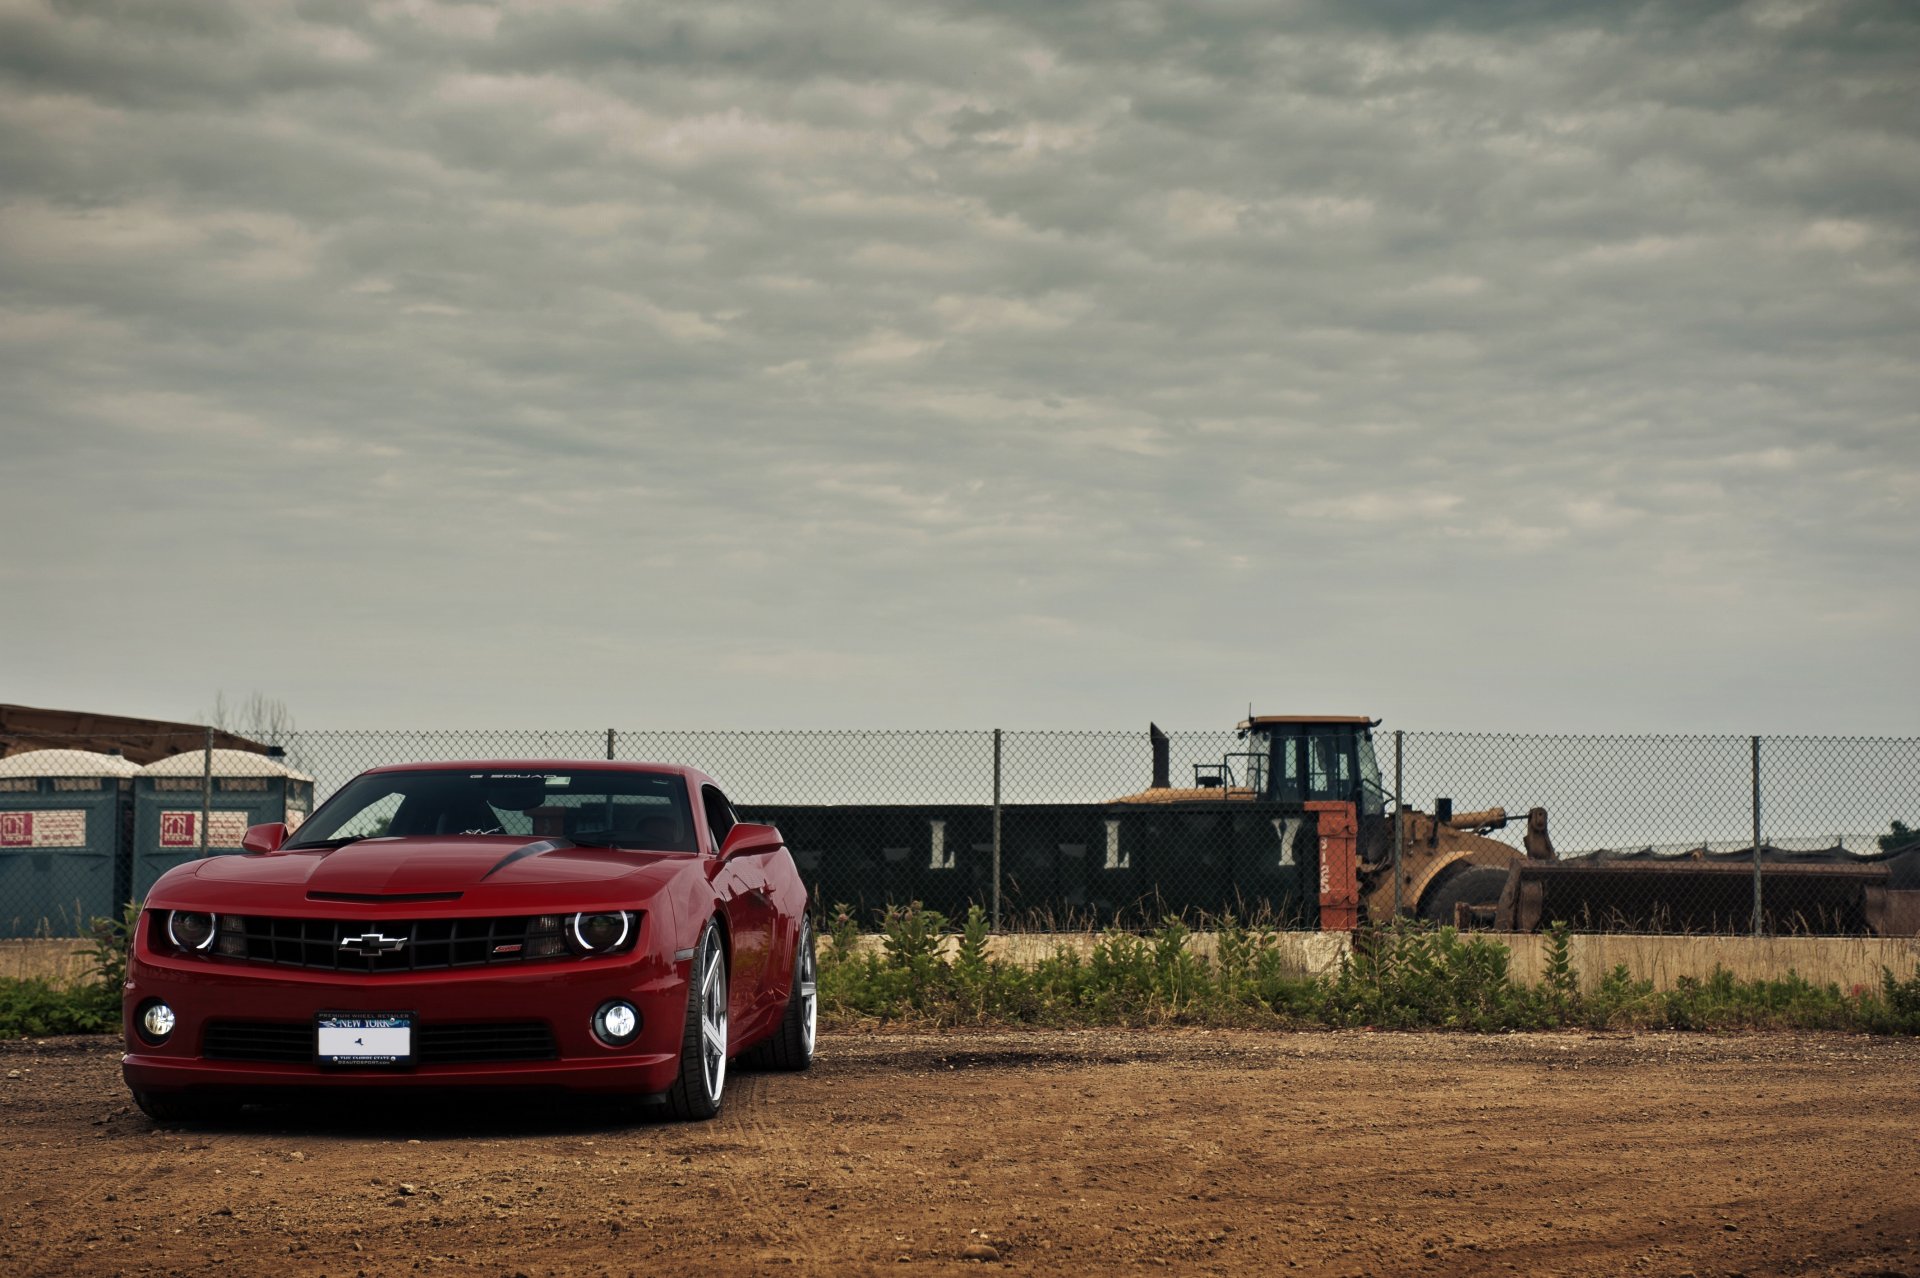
713,1024
809,998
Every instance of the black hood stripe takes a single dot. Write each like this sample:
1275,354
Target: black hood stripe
531,849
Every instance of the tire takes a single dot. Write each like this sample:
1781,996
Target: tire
1469,884
791,1046
177,1107
697,1090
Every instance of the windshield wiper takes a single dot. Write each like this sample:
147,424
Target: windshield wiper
593,841
340,842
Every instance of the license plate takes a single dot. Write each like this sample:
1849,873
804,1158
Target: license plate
363,1039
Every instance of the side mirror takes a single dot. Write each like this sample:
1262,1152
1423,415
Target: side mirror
264,838
746,838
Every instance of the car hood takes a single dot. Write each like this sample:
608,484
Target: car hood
486,865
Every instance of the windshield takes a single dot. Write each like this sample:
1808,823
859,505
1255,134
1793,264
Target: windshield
630,809
1373,795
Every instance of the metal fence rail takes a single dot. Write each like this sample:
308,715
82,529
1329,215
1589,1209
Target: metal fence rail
1650,833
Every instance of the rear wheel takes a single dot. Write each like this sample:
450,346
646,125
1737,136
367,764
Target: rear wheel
791,1046
1473,885
703,1042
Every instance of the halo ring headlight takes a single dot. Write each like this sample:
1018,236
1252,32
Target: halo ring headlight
600,932
192,930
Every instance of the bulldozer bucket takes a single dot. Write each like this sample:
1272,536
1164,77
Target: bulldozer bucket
1701,896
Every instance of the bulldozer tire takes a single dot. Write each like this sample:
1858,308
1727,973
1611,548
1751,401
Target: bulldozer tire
1473,884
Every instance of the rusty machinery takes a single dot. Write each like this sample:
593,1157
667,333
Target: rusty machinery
1324,768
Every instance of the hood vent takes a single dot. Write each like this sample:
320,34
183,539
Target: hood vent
383,896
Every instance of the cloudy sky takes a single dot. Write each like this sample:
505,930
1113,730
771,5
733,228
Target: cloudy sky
1496,365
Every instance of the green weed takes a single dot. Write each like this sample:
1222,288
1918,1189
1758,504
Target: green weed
38,1007
1404,976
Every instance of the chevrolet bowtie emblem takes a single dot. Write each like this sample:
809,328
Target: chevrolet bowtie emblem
369,944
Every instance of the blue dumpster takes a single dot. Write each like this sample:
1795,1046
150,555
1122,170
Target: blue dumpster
63,840
169,805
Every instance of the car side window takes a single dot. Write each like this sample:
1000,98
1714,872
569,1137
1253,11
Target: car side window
719,814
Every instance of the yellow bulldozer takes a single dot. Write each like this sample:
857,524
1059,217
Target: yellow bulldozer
1323,768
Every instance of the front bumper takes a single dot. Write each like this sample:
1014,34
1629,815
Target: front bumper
211,999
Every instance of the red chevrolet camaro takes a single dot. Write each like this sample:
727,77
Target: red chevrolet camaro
591,926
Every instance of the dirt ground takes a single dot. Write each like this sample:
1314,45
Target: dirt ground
1048,1152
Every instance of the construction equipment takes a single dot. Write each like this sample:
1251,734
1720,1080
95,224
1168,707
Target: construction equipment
1829,891
1323,768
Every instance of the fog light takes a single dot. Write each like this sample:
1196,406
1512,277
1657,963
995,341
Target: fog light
156,1022
616,1023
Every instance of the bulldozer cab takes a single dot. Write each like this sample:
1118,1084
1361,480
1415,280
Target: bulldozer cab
1295,759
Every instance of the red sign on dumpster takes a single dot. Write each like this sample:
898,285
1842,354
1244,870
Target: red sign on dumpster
56,829
182,829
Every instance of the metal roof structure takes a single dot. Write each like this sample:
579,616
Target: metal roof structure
24,728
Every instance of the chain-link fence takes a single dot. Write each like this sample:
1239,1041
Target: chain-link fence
1659,834
1654,833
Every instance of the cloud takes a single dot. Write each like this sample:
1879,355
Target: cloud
990,360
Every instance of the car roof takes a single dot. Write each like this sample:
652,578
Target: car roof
534,765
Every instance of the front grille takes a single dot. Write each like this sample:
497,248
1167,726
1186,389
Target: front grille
334,945
461,1044
257,1041
284,1042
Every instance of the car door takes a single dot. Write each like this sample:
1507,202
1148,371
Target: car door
745,895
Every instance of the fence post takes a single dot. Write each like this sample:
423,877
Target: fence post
609,743
206,791
1756,836
1399,815
996,829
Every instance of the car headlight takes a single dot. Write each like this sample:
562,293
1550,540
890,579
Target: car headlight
543,937
191,929
231,936
599,933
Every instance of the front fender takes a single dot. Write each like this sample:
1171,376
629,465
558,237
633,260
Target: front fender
1421,866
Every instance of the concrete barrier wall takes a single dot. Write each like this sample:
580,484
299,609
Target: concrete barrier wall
1844,961
62,961
1302,953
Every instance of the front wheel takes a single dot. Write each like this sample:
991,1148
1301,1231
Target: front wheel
1477,886
791,1046
703,1042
